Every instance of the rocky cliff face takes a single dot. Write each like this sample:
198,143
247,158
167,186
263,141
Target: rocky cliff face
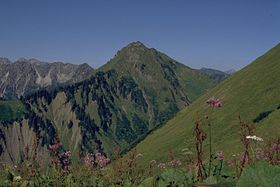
21,77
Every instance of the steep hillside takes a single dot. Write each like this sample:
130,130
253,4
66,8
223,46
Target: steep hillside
136,92
253,92
20,77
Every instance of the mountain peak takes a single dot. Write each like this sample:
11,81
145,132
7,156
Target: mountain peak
132,51
31,61
136,44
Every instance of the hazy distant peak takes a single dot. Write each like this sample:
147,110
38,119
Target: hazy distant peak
214,74
230,71
35,61
21,59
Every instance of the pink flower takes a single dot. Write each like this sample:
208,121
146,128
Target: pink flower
174,163
162,165
214,103
54,147
64,156
89,160
220,155
98,154
230,163
275,147
101,160
98,159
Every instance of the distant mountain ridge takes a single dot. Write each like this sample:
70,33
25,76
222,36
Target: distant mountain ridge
215,74
230,71
24,75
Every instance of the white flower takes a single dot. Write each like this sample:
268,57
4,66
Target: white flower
254,138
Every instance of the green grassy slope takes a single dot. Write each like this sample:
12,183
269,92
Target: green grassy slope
249,92
11,109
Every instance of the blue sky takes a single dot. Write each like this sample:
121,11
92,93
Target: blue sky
220,34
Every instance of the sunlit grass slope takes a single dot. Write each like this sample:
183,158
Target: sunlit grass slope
249,92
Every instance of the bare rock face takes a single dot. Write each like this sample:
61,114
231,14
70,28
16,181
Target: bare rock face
24,75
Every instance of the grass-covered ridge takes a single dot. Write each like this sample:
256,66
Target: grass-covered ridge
249,92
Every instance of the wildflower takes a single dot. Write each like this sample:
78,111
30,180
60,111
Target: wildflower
214,103
101,160
89,160
220,155
98,154
174,163
230,163
64,160
254,138
275,147
54,146
218,104
162,166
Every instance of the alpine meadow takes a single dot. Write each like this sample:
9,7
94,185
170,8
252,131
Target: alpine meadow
140,94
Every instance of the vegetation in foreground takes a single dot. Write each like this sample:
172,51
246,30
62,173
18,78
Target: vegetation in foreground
256,165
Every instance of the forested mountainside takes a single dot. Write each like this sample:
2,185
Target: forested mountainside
134,93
